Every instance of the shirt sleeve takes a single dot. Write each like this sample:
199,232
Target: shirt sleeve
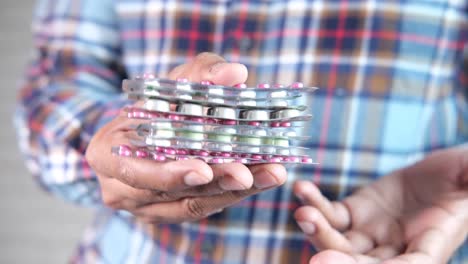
71,88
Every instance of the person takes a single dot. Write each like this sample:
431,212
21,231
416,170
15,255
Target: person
390,117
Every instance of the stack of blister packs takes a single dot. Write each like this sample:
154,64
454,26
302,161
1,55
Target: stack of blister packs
214,123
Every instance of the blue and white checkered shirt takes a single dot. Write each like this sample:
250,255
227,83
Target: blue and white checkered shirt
393,89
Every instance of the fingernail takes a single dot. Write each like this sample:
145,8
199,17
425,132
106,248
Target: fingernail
300,197
195,179
264,180
307,227
216,67
230,184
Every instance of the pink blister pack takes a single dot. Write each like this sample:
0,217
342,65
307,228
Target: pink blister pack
214,123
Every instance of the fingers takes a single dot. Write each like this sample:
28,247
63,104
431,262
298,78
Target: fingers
168,176
211,67
336,213
332,256
233,176
194,208
268,175
384,252
361,242
120,196
319,231
412,258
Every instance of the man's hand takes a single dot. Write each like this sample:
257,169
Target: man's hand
177,191
416,215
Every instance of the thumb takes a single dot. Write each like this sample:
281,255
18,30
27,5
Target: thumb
213,68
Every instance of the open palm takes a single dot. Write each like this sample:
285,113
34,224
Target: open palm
415,215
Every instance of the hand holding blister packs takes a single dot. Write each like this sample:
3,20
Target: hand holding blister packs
215,123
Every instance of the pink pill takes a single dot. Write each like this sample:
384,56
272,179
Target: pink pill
159,157
182,80
197,119
226,154
285,124
125,151
297,85
170,151
174,117
256,156
210,121
263,85
151,115
206,82
229,122
294,159
307,160
241,85
203,153
159,149
275,124
274,160
240,160
254,123
181,152
217,160
141,154
278,85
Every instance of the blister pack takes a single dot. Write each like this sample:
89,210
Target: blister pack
214,123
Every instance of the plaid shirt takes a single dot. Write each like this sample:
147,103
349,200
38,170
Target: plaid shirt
392,90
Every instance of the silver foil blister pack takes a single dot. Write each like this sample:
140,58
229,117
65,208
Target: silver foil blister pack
217,124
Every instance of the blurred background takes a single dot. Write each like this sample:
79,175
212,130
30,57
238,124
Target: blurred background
34,226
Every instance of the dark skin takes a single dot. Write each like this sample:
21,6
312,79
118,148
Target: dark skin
178,191
418,214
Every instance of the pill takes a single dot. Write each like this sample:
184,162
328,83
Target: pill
190,109
184,87
274,160
125,151
223,134
157,142
256,157
281,142
159,157
278,102
205,82
222,112
245,95
217,92
297,85
217,160
285,113
170,151
141,153
228,122
240,86
181,152
255,115
254,123
269,149
157,105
